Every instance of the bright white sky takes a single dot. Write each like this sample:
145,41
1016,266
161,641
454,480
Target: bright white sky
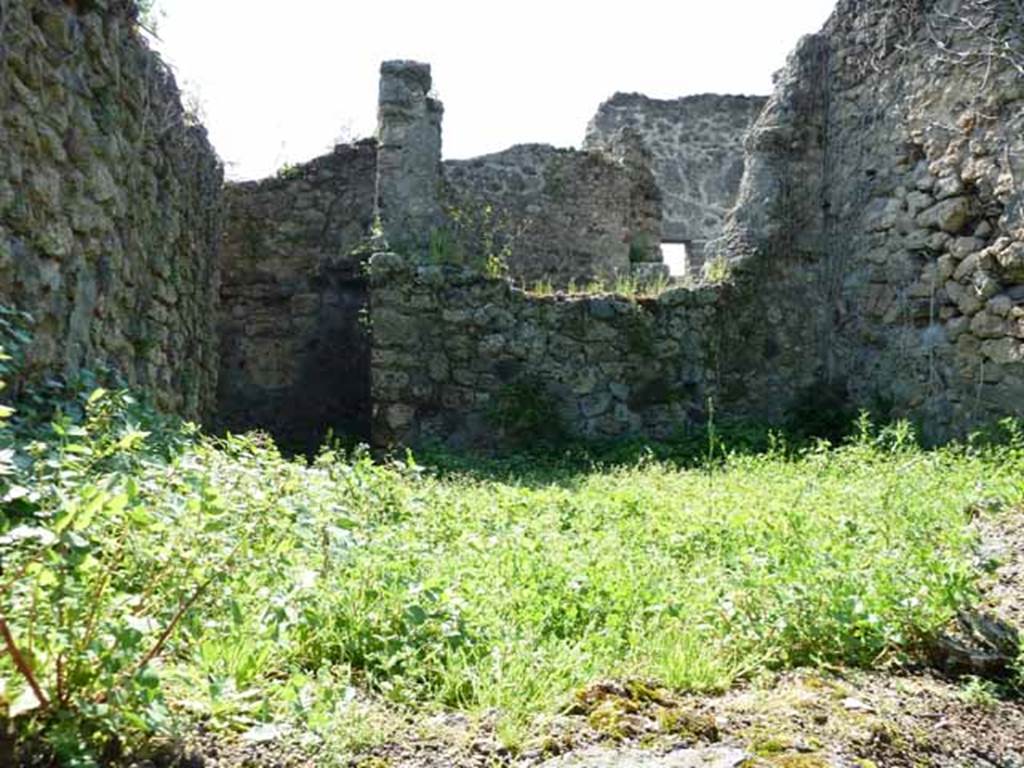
280,81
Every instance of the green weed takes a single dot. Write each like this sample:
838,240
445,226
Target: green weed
717,271
542,288
152,574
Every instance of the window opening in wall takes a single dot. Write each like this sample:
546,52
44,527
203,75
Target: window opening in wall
675,258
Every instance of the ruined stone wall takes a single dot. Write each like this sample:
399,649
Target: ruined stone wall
696,149
875,253
557,215
109,203
466,360
470,361
408,186
294,355
892,160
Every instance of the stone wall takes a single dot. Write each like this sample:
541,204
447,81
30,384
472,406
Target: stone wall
891,158
408,184
294,355
559,215
109,203
876,248
471,361
696,149
875,254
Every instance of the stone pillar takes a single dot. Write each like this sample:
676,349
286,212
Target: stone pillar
409,157
696,257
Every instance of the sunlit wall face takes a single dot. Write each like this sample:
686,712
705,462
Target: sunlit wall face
281,82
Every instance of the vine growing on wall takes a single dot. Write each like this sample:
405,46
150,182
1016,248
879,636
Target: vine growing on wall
980,20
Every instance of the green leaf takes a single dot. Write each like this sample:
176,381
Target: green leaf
76,541
88,513
147,678
415,615
131,440
141,516
116,504
96,395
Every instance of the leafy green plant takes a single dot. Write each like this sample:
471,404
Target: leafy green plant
151,575
496,266
289,171
14,339
542,288
98,579
634,287
444,248
476,235
717,270
978,693
627,286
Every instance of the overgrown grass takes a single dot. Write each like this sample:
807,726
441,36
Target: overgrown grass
152,575
626,286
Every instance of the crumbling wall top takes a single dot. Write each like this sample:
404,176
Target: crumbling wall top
407,201
696,149
558,215
404,83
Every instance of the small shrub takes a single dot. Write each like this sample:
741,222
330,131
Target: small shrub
92,598
444,248
289,171
636,288
979,694
475,235
717,270
639,248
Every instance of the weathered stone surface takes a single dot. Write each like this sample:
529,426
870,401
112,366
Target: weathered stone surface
952,215
409,157
109,204
892,157
696,149
876,245
294,352
593,366
556,215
